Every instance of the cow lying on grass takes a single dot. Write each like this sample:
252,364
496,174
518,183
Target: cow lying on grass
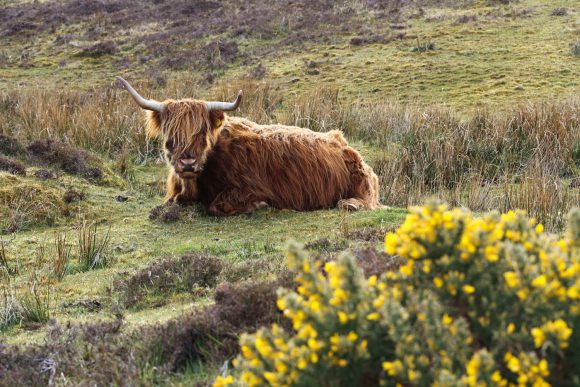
232,165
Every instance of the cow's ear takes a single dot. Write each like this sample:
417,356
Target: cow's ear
153,124
216,118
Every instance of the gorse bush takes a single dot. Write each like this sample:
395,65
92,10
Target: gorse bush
480,301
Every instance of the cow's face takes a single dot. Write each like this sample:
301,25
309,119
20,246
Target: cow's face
189,132
189,128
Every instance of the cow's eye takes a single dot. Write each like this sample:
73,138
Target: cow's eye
169,144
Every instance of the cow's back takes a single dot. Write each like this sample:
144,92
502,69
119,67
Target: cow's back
285,166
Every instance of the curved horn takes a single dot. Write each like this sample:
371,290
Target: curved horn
147,104
225,106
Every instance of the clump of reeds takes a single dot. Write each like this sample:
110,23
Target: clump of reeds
4,264
35,303
61,257
93,247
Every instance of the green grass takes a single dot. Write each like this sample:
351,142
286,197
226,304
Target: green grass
491,61
135,241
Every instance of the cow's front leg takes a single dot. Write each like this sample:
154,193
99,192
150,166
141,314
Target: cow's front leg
234,202
174,187
182,191
188,194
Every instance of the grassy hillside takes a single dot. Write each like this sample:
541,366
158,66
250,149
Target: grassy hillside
475,102
462,54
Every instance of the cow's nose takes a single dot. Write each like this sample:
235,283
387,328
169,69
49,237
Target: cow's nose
187,164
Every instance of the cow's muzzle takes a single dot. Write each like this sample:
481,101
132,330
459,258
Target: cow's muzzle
187,168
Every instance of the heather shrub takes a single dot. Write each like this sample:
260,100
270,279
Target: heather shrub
170,276
59,154
166,213
12,166
111,353
10,146
489,300
72,160
209,335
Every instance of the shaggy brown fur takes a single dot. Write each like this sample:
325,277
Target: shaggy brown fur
243,166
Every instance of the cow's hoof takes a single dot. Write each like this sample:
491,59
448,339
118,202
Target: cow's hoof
350,205
182,200
260,205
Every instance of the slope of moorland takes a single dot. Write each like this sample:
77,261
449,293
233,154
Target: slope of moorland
462,54
473,101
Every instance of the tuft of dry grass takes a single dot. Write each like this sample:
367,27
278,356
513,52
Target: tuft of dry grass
544,196
320,110
100,120
10,310
124,164
23,202
4,263
261,99
467,161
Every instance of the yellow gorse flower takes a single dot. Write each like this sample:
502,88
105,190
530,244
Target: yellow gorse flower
558,329
222,382
468,289
511,279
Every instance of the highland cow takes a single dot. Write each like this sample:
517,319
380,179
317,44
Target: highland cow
232,165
